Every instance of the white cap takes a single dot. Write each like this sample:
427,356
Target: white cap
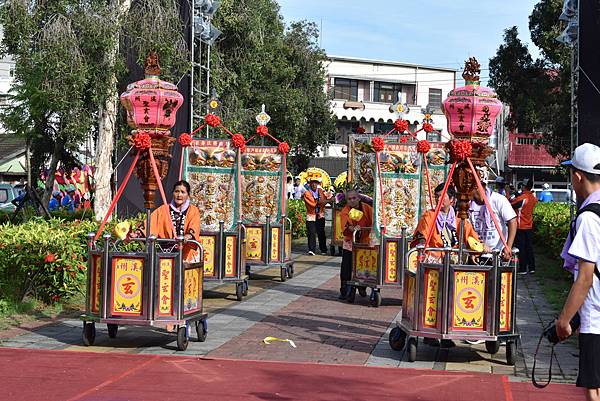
586,158
546,185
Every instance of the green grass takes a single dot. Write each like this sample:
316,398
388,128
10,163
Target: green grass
553,279
15,314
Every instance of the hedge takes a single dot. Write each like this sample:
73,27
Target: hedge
551,222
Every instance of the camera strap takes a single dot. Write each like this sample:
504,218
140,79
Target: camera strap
535,382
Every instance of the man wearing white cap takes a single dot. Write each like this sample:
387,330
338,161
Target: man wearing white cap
315,200
581,255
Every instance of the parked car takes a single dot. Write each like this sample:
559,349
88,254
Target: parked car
7,194
558,195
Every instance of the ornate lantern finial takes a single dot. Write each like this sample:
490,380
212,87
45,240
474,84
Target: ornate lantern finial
151,66
472,70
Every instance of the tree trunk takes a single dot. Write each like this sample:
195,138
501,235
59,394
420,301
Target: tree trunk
49,184
107,128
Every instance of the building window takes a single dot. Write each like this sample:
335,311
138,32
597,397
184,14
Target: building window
382,128
345,89
435,100
434,136
387,92
527,141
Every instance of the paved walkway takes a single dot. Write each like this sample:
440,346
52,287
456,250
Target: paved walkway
305,309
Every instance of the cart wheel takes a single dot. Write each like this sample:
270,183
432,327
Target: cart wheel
492,346
290,270
245,288
332,250
112,329
511,352
397,339
283,274
412,349
239,291
351,294
362,291
375,298
89,333
182,338
201,330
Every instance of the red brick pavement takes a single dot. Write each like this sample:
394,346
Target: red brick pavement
323,328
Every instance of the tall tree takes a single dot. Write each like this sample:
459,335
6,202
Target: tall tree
70,58
259,62
538,91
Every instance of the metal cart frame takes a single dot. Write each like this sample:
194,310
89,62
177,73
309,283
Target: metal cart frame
102,271
275,249
228,259
389,265
499,299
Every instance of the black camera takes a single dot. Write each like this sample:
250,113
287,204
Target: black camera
550,332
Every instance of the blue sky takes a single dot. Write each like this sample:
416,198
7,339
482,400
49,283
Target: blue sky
436,33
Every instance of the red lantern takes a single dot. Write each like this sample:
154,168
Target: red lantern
471,110
152,103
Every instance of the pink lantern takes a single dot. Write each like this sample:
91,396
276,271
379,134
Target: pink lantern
471,110
151,103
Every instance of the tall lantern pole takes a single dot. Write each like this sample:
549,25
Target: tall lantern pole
152,106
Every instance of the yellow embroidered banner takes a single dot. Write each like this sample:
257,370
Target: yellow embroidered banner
391,252
365,264
432,281
230,256
505,301
165,287
469,300
127,286
275,244
192,290
208,244
96,266
254,243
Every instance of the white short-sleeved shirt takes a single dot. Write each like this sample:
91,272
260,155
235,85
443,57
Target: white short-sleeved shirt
503,212
586,245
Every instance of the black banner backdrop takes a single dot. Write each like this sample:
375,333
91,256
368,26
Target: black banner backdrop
588,95
132,200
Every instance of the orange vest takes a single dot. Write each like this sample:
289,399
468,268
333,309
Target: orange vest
366,221
427,221
162,227
311,203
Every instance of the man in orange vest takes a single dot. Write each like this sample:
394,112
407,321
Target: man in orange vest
315,200
524,205
364,224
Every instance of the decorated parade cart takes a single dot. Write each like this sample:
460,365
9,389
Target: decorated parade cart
212,167
399,171
152,285
455,293
264,203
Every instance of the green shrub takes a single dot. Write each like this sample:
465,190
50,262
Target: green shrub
47,259
551,222
297,213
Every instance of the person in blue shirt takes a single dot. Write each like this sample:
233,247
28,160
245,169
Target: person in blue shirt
54,203
546,195
67,202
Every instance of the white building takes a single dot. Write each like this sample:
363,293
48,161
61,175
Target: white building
363,91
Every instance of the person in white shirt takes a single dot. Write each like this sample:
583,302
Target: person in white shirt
484,225
581,254
299,189
289,187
